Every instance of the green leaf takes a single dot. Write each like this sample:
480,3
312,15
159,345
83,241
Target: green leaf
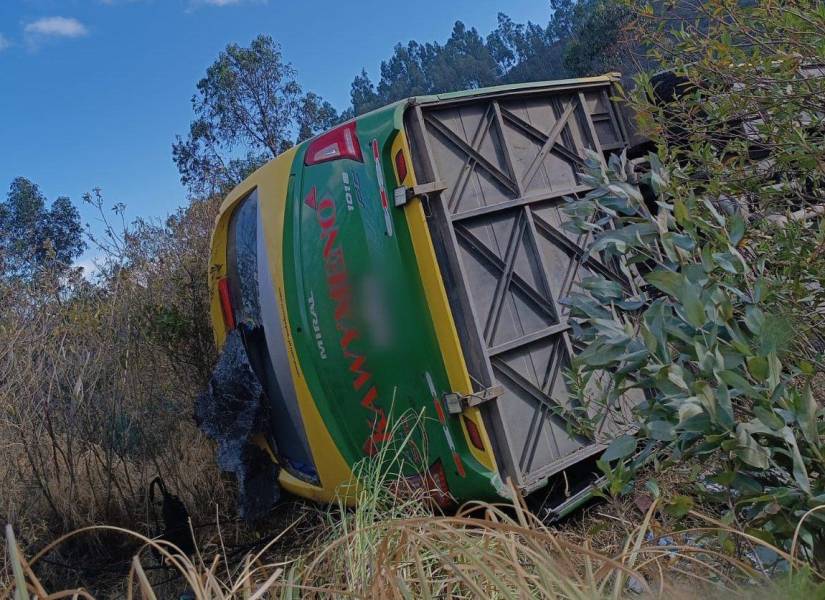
735,380
754,319
676,375
669,282
707,258
653,330
725,413
679,506
658,175
806,416
587,306
727,261
694,309
774,370
621,188
758,367
769,418
747,485
749,451
603,289
707,397
661,430
800,473
631,304
676,285
680,212
689,409
720,219
599,354
682,241
759,290
737,229
621,447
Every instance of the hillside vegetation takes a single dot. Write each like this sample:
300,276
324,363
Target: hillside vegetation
721,228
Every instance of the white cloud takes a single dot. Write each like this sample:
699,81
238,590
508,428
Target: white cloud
4,42
55,27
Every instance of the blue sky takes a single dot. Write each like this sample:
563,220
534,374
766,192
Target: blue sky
92,92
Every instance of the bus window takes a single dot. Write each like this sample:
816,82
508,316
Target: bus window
255,309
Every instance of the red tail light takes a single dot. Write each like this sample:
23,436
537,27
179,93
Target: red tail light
433,485
401,166
226,302
341,142
473,433
438,490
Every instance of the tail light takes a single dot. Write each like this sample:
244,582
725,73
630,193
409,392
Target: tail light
401,166
226,302
432,484
438,489
473,433
341,142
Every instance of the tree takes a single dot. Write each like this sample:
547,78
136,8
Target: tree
581,37
33,237
594,43
249,108
526,52
316,115
362,94
406,74
464,62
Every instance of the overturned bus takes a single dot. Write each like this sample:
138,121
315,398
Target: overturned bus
414,261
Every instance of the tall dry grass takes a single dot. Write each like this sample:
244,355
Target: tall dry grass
95,395
484,551
392,545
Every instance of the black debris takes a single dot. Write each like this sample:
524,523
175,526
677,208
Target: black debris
232,411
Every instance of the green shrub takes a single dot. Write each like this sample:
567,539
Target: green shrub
723,329
705,348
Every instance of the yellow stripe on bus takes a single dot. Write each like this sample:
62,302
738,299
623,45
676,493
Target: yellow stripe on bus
436,296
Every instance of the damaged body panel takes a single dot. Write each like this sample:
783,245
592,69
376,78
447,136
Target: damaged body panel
410,262
233,411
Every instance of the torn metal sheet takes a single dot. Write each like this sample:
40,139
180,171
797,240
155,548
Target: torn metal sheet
231,411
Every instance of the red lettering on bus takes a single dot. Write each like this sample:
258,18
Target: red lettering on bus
340,293
363,375
348,337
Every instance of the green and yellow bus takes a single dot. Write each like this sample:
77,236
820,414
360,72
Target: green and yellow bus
412,260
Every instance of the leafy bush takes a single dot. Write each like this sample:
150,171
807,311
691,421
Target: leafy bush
726,247
740,111
705,348
743,109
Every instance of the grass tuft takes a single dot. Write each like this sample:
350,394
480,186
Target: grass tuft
394,545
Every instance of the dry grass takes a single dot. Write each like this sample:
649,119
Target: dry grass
484,551
393,546
95,400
